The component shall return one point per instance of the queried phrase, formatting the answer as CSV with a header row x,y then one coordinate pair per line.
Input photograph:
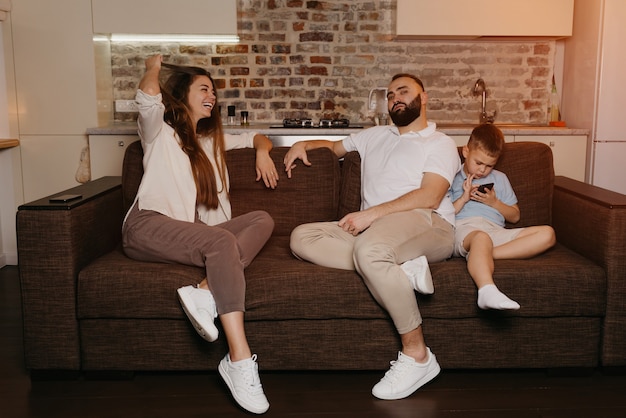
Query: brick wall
x,y
316,59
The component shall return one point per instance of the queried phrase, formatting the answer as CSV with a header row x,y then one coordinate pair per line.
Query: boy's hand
x,y
468,189
488,198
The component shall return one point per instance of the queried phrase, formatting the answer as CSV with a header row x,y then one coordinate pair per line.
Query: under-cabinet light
x,y
122,37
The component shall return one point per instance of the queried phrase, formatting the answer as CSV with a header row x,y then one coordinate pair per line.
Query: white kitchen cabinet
x,y
49,163
55,73
195,17
461,140
55,90
443,19
569,153
106,154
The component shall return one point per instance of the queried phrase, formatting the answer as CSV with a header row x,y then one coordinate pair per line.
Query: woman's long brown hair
x,y
178,115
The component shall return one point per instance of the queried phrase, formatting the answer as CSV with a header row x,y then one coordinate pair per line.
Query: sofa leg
x,y
570,371
109,375
47,375
614,370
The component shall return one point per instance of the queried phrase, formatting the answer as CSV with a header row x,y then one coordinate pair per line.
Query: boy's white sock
x,y
490,297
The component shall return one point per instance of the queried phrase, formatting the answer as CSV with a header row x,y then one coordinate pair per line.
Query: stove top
x,y
323,124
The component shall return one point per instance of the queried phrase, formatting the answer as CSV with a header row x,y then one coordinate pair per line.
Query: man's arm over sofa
x,y
592,222
55,241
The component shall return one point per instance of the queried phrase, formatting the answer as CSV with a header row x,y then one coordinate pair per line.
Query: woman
x,y
182,211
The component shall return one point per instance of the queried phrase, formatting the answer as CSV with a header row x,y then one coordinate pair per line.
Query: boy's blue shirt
x,y
504,193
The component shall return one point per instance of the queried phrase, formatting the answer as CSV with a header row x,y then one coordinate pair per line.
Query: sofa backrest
x,y
528,165
530,169
327,191
311,195
132,172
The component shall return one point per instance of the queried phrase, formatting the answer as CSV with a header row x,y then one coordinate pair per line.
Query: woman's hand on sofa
x,y
266,170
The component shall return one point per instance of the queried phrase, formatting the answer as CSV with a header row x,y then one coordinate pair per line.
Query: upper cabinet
x,y
470,19
53,59
189,17
5,7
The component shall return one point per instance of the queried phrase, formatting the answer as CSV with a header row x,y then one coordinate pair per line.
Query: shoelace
x,y
398,368
251,376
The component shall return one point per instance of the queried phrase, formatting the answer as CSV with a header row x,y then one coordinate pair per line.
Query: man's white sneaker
x,y
242,378
406,376
200,308
418,272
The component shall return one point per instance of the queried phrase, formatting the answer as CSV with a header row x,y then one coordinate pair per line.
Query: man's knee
x,y
367,254
296,239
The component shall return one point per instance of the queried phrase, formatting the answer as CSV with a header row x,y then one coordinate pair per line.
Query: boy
x,y
481,213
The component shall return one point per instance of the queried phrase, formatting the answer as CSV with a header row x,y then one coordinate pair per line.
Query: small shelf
x,y
9,143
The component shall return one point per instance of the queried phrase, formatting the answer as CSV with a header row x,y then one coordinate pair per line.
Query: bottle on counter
x,y
554,112
554,105
244,118
230,120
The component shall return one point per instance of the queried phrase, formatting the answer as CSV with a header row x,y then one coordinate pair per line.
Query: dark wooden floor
x,y
454,393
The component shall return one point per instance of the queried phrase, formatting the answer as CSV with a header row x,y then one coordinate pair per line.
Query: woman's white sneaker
x,y
406,376
242,378
200,308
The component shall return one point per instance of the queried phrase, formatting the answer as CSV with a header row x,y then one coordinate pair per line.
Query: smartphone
x,y
484,187
64,198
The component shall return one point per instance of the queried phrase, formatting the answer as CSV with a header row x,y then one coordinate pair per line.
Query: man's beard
x,y
405,116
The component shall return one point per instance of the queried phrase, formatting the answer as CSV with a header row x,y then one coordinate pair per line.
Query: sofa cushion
x,y
280,287
559,282
309,196
115,286
530,169
527,164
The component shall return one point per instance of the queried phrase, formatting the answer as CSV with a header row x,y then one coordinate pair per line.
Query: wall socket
x,y
126,106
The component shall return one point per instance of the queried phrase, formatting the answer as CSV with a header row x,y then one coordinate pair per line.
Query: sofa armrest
x,y
592,222
54,242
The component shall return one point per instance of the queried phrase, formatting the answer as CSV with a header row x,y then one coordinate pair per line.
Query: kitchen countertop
x,y
130,128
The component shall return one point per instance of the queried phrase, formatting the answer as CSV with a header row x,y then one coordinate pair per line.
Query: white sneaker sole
x,y
206,329
231,386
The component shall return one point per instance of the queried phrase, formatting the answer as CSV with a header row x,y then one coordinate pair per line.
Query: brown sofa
x,y
87,307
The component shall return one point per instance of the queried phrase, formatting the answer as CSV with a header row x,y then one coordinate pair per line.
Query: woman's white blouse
x,y
167,185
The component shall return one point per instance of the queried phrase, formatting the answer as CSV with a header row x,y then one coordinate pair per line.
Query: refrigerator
x,y
594,87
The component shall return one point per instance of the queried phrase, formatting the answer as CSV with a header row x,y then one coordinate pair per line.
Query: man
x,y
406,219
